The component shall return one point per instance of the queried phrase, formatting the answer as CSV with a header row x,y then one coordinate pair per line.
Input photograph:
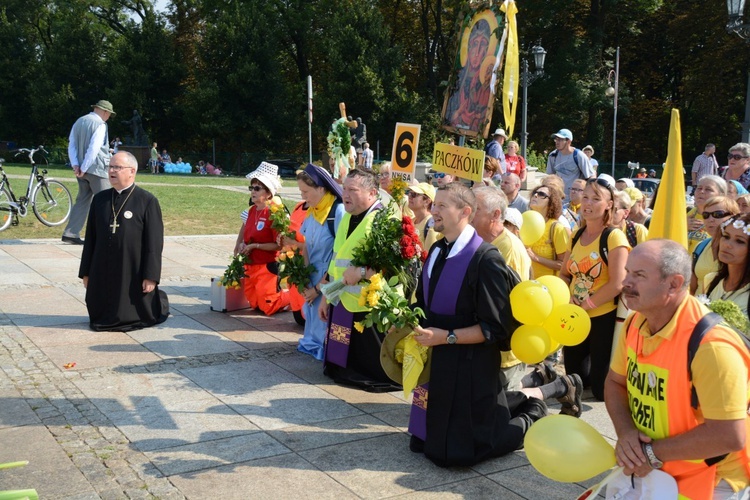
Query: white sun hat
x,y
268,175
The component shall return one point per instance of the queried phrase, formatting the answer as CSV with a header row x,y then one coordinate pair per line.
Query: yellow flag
x,y
413,356
669,219
510,78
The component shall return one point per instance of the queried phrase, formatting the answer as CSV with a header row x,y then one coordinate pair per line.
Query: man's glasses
x,y
255,188
736,157
540,194
438,175
576,190
716,214
118,168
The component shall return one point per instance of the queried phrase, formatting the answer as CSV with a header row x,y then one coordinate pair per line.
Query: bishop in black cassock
x,y
121,260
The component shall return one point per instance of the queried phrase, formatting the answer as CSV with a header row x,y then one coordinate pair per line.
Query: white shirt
x,y
463,239
95,145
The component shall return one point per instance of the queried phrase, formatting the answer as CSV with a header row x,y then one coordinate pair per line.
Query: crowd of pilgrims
x,y
485,414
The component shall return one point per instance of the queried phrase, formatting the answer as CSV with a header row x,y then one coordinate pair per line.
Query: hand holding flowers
x,y
234,273
388,307
294,269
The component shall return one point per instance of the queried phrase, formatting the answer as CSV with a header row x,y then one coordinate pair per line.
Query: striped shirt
x,y
704,165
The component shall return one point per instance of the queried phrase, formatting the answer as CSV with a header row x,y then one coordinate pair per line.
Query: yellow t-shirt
x,y
514,253
590,273
695,237
739,297
431,237
641,233
713,362
554,241
705,265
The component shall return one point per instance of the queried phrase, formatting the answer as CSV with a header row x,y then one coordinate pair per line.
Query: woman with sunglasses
x,y
595,283
717,210
636,233
258,241
739,164
547,252
732,247
708,187
421,197
442,179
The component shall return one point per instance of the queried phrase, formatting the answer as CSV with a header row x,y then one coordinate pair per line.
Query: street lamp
x,y
613,92
527,78
735,24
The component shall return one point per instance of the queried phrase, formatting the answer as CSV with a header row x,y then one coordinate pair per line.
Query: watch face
x,y
451,338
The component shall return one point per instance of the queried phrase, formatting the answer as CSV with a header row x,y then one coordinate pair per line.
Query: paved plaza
x,y
206,405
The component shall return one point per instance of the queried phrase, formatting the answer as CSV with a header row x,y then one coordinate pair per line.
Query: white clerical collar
x,y
463,239
119,191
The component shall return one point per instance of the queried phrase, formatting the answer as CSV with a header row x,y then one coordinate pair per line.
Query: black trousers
x,y
590,359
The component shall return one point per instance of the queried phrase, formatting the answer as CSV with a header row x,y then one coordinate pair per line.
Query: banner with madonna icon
x,y
470,97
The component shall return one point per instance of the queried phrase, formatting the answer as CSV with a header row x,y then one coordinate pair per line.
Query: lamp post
x,y
735,24
613,92
527,78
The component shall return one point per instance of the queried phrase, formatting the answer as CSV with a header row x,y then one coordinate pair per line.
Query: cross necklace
x,y
114,224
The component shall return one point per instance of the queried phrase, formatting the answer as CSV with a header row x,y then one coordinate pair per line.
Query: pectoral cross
x,y
114,226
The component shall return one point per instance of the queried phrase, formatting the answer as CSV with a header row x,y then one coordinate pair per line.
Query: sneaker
x,y
571,402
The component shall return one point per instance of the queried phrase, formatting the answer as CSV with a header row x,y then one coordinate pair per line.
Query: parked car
x,y
647,186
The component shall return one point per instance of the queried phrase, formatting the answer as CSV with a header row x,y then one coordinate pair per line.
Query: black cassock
x,y
117,263
469,416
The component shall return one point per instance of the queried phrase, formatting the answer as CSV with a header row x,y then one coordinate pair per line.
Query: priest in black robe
x,y
462,415
121,260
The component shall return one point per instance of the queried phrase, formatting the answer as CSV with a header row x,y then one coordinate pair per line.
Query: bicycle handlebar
x,y
30,152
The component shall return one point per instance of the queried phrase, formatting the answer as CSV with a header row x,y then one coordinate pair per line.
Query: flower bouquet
x,y
397,189
293,268
339,143
389,308
732,314
234,273
279,219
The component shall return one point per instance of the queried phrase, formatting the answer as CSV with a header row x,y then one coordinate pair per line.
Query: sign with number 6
x,y
405,145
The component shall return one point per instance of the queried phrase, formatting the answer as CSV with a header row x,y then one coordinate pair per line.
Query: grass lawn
x,y
190,204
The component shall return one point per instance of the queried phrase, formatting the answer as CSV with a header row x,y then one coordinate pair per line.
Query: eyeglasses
x,y
117,168
438,175
716,214
540,194
385,175
736,157
412,194
601,182
576,190
255,188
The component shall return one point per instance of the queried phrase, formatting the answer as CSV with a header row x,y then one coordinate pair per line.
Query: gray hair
x,y
674,259
367,179
130,159
717,181
513,177
741,146
491,198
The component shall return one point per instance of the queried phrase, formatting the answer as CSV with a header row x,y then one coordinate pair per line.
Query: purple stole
x,y
447,289
339,335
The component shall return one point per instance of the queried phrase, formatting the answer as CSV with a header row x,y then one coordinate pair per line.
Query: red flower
x,y
408,252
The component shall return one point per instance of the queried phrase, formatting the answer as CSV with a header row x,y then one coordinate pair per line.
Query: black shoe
x,y
73,240
416,445
534,408
571,402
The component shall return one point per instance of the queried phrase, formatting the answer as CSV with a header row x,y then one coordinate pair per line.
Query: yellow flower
x,y
282,256
359,326
376,282
234,283
362,300
220,283
372,299
290,254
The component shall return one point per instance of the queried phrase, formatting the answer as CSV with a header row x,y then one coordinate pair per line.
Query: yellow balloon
x,y
557,288
568,324
554,345
531,302
532,228
567,449
530,344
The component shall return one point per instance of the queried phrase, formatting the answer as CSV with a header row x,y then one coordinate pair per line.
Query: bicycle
x,y
50,199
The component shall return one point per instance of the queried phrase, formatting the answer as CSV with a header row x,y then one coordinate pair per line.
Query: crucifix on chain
x,y
114,226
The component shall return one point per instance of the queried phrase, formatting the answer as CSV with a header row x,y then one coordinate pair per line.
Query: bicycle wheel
x,y
6,214
52,202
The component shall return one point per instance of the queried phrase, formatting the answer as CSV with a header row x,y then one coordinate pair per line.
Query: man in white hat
x,y
568,162
88,152
494,148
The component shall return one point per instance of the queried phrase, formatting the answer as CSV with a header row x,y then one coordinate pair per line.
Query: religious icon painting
x,y
470,97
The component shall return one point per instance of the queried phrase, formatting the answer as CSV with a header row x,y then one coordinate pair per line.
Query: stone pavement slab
x,y
206,405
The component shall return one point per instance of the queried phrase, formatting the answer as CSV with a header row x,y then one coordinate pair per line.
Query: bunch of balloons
x,y
548,319
177,168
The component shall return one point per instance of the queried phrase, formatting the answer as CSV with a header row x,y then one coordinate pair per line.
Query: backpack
x,y
707,322
554,153
699,250
603,248
331,219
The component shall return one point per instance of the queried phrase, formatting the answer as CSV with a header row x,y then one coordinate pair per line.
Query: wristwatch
x,y
362,272
451,338
652,460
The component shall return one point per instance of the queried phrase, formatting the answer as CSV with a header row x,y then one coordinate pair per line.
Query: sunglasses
x,y
412,194
601,182
438,175
255,188
540,194
736,157
716,214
